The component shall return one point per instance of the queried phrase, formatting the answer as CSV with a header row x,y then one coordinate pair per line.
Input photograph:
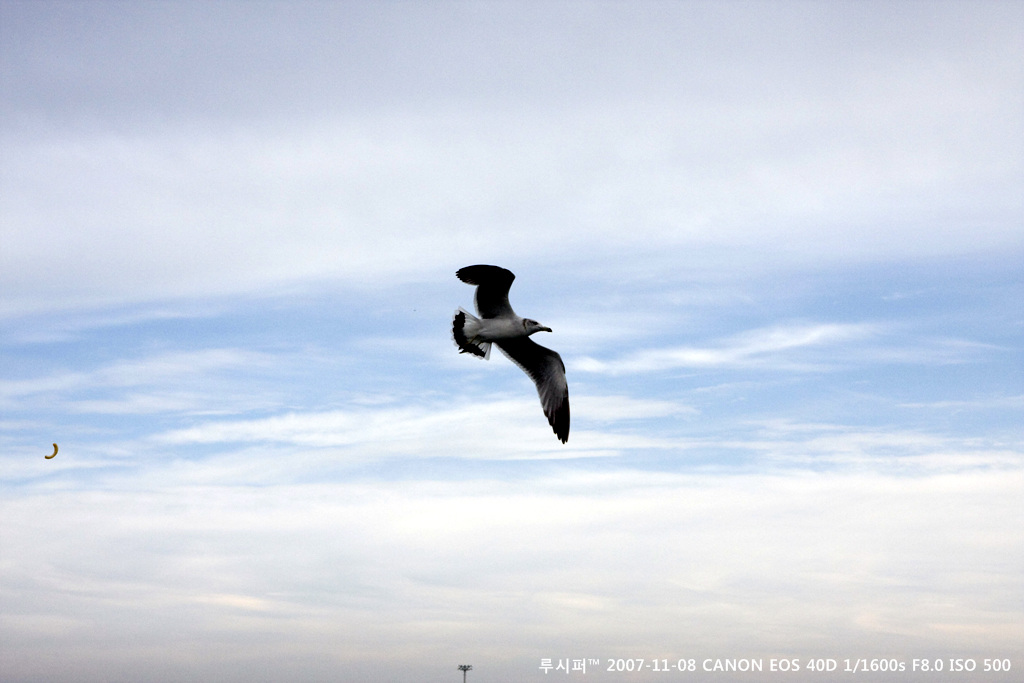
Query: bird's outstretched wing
x,y
547,371
492,285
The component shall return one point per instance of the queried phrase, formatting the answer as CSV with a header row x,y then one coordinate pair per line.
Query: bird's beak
x,y
544,329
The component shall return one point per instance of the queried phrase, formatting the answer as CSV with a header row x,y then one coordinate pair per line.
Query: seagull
x,y
499,324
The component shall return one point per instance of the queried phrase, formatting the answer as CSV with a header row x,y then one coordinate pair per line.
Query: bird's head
x,y
532,326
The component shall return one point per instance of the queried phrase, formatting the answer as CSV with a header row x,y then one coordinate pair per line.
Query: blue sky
x,y
779,245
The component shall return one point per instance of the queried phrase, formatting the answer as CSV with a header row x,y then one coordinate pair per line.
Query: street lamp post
x,y
464,668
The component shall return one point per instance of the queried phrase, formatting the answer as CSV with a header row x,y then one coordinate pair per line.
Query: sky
x,y
779,245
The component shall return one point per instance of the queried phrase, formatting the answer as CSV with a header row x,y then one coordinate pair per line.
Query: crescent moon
x,y
54,452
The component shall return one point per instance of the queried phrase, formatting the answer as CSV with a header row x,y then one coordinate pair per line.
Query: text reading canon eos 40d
x,y
860,665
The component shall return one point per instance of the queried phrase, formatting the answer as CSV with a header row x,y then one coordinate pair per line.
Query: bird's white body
x,y
478,333
494,329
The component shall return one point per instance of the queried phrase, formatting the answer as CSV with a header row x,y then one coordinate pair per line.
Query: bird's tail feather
x,y
465,327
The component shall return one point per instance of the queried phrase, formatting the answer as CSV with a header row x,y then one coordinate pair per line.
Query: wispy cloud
x,y
617,408
144,384
986,403
485,429
765,347
893,450
798,347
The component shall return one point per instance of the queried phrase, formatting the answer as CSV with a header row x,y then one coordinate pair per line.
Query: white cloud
x,y
838,162
764,347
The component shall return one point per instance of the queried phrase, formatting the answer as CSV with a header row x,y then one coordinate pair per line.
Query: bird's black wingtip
x,y
560,424
483,274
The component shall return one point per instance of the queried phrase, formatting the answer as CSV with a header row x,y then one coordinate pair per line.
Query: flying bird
x,y
500,325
